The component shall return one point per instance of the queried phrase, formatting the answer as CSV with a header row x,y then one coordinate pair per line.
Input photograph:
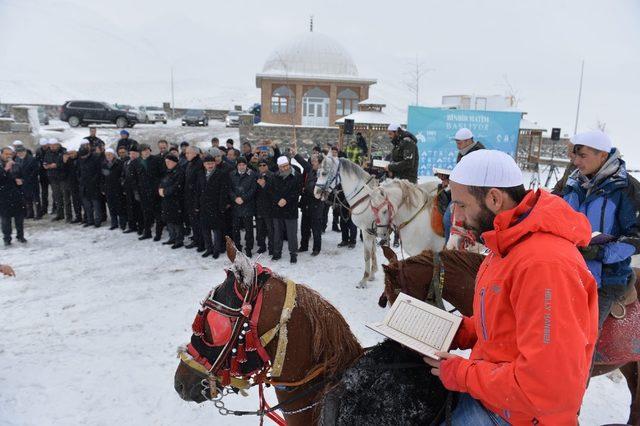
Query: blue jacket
x,y
612,206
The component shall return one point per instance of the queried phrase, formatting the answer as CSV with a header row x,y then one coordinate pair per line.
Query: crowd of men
x,y
255,192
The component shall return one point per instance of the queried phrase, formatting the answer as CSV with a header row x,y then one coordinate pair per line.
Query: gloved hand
x,y
591,252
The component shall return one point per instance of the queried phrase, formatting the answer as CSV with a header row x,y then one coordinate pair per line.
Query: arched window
x,y
283,101
347,102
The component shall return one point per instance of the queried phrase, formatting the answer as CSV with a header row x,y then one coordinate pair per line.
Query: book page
x,y
380,163
419,326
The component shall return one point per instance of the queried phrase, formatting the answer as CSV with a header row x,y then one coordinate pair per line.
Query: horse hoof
x,y
371,278
362,285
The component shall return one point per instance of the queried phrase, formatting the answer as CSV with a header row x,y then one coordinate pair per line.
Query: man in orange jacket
x,y
535,307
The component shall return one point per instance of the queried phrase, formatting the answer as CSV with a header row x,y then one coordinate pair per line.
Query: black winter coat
x,y
40,153
243,186
112,179
405,157
11,201
172,183
310,177
193,183
149,174
50,157
28,169
130,176
215,198
289,189
127,143
264,203
476,147
90,176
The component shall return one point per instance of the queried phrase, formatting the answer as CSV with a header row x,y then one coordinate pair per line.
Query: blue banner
x,y
435,127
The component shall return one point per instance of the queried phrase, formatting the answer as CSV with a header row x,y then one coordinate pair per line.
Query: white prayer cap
x,y
17,143
487,168
110,151
53,141
463,134
282,160
595,139
438,171
44,141
10,148
393,127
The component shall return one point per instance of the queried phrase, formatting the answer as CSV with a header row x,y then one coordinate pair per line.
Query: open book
x,y
380,163
419,326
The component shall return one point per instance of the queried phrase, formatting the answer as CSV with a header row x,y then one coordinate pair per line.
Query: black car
x,y
82,113
195,117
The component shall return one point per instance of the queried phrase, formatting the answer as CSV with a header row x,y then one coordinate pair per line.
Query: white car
x,y
232,119
152,114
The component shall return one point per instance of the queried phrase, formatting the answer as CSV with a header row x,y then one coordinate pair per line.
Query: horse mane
x,y
334,345
352,168
457,263
414,194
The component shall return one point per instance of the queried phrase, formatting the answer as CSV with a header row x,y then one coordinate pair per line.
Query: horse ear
x,y
389,254
231,250
243,269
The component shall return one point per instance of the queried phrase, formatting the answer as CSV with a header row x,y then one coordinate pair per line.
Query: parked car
x,y
232,119
152,114
130,108
43,117
82,113
195,117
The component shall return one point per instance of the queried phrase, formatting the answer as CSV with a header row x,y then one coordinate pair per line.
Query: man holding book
x,y
534,326
602,190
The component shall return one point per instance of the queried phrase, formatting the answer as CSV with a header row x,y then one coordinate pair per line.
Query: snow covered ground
x,y
91,323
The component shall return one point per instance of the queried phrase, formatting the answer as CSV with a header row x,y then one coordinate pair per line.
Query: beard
x,y
483,222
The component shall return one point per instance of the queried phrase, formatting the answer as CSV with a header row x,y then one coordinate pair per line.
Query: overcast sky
x,y
471,45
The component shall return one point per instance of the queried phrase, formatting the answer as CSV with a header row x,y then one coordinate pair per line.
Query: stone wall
x,y
308,137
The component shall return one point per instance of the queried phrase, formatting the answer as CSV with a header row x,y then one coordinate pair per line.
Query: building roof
x,y
312,56
529,125
370,117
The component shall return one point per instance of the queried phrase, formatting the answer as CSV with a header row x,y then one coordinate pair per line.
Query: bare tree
x,y
512,94
600,124
415,71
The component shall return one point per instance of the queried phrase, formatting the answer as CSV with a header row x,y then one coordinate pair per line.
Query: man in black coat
x,y
126,141
285,190
150,173
112,189
29,169
70,161
242,198
94,141
90,179
214,201
465,143
44,181
312,208
11,203
57,177
264,206
170,191
404,155
194,180
132,193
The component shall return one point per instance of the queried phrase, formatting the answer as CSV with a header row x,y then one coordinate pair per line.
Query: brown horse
x,y
414,275
319,339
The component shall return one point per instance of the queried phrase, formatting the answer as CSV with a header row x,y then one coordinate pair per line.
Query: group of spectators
x,y
206,194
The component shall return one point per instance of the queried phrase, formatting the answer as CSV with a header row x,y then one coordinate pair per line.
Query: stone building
x,y
310,81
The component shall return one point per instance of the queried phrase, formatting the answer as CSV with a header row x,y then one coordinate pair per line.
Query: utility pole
x,y
575,128
173,101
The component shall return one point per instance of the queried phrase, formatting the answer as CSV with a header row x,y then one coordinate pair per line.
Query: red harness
x,y
236,329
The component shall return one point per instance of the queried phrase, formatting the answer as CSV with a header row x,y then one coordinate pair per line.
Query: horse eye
x,y
324,173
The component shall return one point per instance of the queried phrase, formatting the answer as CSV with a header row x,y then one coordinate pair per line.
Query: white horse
x,y
357,186
406,208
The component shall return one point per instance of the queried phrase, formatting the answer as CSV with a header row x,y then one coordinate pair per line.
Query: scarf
x,y
609,168
465,151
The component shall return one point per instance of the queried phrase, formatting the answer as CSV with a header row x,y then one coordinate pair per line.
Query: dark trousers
x,y
264,233
245,224
227,229
311,224
213,244
194,221
336,217
32,204
6,226
134,212
76,200
349,230
61,194
92,211
44,195
176,232
290,227
325,216
151,214
117,218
